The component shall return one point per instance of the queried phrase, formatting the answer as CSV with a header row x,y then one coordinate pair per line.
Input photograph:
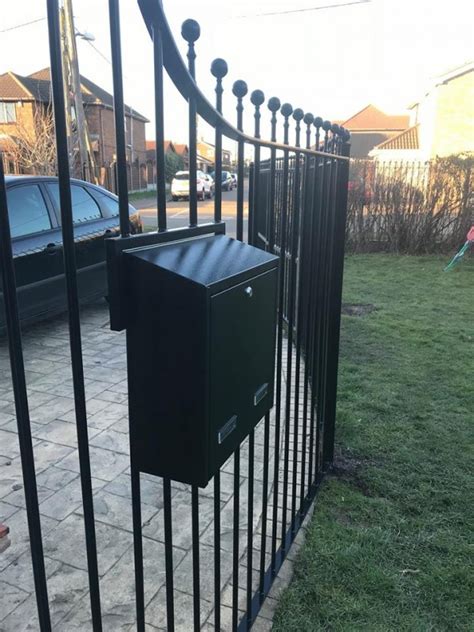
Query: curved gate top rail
x,y
156,22
296,205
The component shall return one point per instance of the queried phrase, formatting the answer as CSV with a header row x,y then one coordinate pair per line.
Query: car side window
x,y
84,207
108,202
27,210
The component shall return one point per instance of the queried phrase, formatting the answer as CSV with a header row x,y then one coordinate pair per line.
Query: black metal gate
x,y
296,209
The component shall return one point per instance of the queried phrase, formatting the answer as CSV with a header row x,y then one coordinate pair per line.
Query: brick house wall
x,y
101,124
24,119
27,92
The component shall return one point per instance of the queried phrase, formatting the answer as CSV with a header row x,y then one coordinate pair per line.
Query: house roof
x,y
443,79
168,145
408,139
37,87
453,73
181,149
371,119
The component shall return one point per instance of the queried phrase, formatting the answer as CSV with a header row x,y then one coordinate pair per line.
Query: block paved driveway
x,y
48,371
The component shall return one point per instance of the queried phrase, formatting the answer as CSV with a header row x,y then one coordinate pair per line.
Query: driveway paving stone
x,y
54,436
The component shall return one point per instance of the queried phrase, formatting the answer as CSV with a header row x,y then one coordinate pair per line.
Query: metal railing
x,y
296,209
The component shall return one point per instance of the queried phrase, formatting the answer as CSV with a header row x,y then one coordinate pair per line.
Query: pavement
x,y
178,212
48,374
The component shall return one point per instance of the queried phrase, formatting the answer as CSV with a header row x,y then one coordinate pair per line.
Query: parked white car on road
x,y
180,185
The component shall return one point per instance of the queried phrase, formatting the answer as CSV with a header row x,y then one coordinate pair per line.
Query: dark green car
x,y
35,224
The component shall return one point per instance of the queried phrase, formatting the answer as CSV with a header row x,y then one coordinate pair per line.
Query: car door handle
x,y
52,249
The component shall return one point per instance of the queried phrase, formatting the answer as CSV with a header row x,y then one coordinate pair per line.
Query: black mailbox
x,y
201,348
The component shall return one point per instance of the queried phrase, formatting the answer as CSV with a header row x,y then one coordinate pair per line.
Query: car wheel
x,y
174,198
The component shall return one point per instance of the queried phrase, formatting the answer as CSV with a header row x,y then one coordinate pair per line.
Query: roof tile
x,y
408,139
38,86
371,119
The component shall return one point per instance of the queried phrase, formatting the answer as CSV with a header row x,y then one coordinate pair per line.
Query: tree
x,y
173,163
33,148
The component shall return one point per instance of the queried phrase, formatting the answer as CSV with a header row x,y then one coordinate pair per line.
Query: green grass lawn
x,y
388,547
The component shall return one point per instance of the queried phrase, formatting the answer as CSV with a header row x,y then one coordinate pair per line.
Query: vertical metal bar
x,y
274,106
160,128
217,551
250,527
195,537
338,271
219,70
119,117
263,543
137,544
304,291
22,410
239,89
298,116
73,308
257,98
321,265
312,306
190,31
318,266
167,511
235,544
326,309
250,215
286,110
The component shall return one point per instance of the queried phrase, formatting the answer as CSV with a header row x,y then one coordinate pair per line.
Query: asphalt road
x,y
178,212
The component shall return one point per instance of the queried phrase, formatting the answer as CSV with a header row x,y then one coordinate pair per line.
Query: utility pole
x,y
82,159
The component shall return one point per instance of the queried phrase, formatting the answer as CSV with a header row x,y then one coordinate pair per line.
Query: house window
x,y
7,113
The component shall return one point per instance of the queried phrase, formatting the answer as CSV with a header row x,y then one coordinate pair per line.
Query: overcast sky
x,y
331,62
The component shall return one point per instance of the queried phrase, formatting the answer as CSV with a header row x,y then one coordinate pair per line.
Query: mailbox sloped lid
x,y
209,261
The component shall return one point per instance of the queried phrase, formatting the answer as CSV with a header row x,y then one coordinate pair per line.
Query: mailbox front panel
x,y
201,349
242,362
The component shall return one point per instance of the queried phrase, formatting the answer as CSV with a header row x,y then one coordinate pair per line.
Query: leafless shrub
x,y
409,207
33,148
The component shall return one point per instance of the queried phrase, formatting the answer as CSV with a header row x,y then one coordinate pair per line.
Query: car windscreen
x,y
84,207
27,210
182,176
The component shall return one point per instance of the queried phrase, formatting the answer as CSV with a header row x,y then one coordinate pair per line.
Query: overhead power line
x,y
19,26
100,53
306,9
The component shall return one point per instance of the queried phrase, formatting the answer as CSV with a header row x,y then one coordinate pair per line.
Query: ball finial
x,y
239,89
190,30
318,121
257,98
335,128
286,109
273,104
298,114
219,68
308,118
326,126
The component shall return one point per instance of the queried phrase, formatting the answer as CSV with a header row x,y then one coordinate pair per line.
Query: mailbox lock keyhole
x,y
249,291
